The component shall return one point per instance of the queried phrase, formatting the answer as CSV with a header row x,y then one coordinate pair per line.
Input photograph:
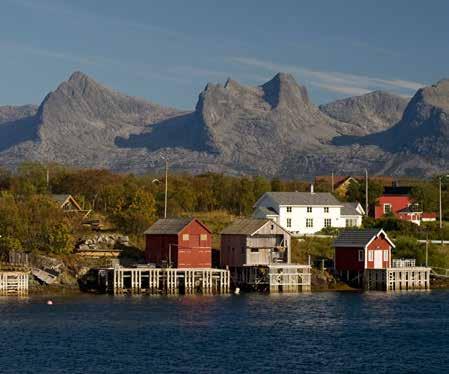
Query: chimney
x,y
311,189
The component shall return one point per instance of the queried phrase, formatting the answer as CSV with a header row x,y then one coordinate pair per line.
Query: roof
x,y
358,238
414,208
245,226
397,190
269,211
339,179
171,226
304,198
350,209
60,198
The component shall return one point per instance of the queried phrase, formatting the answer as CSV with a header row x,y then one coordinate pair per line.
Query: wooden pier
x,y
403,275
273,278
163,280
13,283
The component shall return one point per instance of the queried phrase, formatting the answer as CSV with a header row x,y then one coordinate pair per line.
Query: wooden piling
x,y
169,280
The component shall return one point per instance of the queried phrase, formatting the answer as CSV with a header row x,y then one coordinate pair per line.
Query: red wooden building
x,y
357,250
179,243
393,200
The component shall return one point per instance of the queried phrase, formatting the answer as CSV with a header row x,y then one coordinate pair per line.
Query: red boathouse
x,y
357,250
179,243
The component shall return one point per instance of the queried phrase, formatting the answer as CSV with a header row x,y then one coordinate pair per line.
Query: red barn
x,y
393,200
357,250
179,243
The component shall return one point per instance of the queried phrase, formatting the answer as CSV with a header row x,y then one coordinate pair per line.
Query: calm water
x,y
319,332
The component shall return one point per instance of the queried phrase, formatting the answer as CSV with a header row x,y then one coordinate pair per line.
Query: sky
x,y
167,51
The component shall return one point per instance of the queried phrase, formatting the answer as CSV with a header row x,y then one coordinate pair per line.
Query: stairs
x,y
43,275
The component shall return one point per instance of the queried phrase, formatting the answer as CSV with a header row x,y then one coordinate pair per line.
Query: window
x,y
289,222
326,209
387,208
327,222
272,227
350,222
203,237
289,209
309,222
361,259
309,209
370,255
254,250
385,255
185,237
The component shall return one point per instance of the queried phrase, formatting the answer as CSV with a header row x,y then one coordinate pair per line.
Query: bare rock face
x,y
370,113
259,126
11,113
81,119
271,130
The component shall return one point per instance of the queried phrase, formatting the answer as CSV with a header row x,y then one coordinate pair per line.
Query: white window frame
x,y
361,255
389,207
326,209
328,222
386,255
289,209
309,223
370,255
309,209
289,222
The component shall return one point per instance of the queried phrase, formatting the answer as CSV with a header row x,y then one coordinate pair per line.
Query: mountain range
x,y
272,130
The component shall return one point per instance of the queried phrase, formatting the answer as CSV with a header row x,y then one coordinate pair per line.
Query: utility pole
x,y
332,181
427,251
48,178
441,205
366,193
166,187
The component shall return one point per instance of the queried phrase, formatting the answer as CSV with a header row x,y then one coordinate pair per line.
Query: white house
x,y
352,214
304,213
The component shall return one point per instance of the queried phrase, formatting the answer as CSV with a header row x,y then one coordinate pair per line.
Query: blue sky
x,y
166,51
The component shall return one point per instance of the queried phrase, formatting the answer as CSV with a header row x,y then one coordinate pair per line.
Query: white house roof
x,y
268,211
350,209
304,198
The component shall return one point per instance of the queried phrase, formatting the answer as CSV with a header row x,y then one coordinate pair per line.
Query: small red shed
x,y
179,243
357,250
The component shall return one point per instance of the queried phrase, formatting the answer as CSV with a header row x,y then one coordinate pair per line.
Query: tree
x,y
354,192
427,195
276,185
30,179
261,185
7,244
137,214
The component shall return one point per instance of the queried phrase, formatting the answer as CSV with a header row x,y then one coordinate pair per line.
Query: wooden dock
x,y
13,283
403,275
273,278
163,280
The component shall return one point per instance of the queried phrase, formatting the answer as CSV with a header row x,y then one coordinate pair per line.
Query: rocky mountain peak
x,y
283,89
373,112
436,95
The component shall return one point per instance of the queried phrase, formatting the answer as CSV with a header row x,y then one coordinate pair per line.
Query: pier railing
x,y
403,263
